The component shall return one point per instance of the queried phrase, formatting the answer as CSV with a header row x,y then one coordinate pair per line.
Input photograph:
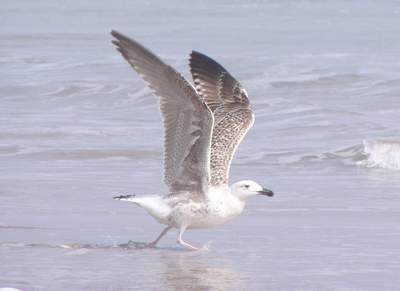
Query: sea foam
x,y
381,154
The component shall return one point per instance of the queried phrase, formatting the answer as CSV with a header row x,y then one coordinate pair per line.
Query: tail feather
x,y
130,198
154,205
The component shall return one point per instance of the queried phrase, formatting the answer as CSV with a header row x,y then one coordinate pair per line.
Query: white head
x,y
245,189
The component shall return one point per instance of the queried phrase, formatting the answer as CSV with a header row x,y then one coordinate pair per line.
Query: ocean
x,y
78,126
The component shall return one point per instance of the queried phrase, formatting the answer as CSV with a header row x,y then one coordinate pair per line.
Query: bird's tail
x,y
155,205
130,198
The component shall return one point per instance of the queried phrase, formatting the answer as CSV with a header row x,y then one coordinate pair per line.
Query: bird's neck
x,y
223,194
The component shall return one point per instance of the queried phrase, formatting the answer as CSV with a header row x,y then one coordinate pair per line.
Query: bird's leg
x,y
164,232
183,243
142,245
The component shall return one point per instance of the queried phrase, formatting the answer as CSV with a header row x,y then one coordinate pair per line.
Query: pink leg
x,y
183,243
164,232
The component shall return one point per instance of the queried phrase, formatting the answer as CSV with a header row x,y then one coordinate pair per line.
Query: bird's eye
x,y
246,186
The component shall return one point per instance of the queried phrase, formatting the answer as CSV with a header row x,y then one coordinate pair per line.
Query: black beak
x,y
266,192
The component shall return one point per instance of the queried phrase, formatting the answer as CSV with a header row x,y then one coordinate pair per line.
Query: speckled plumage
x,y
229,103
203,127
227,134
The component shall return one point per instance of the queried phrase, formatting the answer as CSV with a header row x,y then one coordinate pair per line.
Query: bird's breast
x,y
210,213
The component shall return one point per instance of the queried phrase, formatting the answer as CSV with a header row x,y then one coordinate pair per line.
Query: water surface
x,y
77,126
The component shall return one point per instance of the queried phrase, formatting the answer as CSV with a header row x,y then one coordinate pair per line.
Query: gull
x,y
203,126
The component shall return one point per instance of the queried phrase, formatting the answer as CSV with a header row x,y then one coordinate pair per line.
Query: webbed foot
x,y
137,245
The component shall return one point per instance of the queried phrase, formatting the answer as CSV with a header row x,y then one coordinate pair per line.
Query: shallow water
x,y
78,127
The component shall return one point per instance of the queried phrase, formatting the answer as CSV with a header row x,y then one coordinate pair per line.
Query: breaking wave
x,y
372,154
381,154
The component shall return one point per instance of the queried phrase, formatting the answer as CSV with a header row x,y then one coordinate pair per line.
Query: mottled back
x,y
229,103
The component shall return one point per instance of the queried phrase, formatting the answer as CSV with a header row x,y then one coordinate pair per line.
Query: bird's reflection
x,y
171,268
196,271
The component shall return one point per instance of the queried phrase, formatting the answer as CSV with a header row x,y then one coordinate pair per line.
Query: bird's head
x,y
245,189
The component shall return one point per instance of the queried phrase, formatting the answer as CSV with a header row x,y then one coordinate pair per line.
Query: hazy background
x,y
78,126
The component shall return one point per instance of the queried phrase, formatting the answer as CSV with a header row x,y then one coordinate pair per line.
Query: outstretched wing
x,y
187,119
229,103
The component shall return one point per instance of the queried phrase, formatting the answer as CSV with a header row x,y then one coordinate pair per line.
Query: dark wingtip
x,y
191,56
116,41
193,53
115,33
119,36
